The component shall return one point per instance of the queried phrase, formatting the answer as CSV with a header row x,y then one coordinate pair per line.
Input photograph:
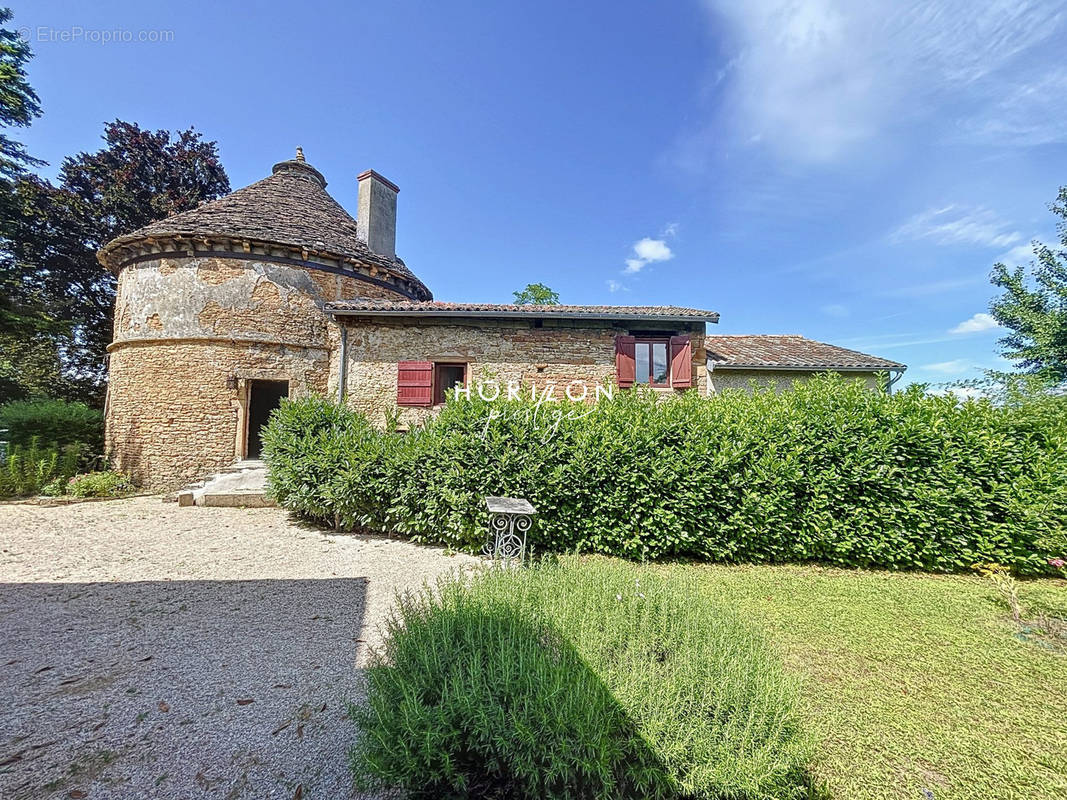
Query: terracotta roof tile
x,y
437,308
291,207
788,352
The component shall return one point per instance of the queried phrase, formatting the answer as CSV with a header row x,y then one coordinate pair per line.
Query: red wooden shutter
x,y
414,383
681,362
625,367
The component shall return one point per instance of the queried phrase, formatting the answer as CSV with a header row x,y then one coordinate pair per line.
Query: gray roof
x,y
403,308
290,208
788,352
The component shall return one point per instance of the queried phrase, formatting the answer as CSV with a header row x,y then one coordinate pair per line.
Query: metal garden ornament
x,y
510,520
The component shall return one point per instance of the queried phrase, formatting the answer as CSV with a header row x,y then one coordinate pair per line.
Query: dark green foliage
x,y
53,423
19,104
54,295
99,484
339,484
577,680
29,468
829,472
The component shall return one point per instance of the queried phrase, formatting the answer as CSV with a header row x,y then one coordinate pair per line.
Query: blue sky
x,y
847,171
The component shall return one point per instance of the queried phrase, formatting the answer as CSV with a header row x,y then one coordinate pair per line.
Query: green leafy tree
x,y
536,294
49,246
1033,306
24,366
19,104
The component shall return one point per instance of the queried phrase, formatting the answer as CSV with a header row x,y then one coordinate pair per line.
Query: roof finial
x,y
300,154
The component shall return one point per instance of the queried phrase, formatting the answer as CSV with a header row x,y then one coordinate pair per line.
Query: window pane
x,y
451,376
447,377
659,362
641,357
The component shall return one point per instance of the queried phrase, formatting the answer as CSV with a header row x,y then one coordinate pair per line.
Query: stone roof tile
x,y
290,208
788,352
438,308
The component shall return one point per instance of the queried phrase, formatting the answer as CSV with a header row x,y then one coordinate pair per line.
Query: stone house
x,y
275,291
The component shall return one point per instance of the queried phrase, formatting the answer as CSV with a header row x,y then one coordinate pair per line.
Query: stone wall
x,y
556,354
779,380
174,412
189,334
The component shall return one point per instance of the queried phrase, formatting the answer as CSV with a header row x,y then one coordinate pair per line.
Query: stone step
x,y
237,499
241,485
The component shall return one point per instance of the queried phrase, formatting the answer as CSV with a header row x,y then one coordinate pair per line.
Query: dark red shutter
x,y
681,362
625,367
414,383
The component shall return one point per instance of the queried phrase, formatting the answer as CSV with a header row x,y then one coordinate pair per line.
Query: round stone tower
x,y
219,314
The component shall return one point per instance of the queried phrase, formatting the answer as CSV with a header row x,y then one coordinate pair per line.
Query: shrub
x,y
338,484
30,468
829,471
53,423
54,488
577,680
99,484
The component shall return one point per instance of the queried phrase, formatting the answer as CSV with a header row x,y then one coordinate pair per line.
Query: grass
x,y
579,679
911,681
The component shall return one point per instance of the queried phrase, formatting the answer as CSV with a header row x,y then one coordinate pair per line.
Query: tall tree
x,y
19,104
1033,306
139,176
24,366
536,294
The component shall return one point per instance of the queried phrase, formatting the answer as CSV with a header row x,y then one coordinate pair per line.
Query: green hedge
x,y
829,471
578,679
55,423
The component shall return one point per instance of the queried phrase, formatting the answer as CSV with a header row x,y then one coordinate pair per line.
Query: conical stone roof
x,y
291,208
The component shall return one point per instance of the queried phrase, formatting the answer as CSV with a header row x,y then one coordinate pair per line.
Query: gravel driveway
x,y
148,650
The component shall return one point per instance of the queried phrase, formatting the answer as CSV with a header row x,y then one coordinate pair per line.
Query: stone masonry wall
x,y
172,417
779,380
189,334
556,354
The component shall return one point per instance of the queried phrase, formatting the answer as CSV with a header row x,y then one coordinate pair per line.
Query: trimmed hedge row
x,y
53,423
828,472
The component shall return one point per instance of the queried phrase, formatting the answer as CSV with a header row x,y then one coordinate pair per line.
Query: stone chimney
x,y
376,215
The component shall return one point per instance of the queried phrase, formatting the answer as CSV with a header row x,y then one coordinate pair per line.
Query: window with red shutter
x,y
414,383
624,361
681,362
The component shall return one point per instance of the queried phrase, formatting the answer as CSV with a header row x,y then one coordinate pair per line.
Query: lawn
x,y
913,681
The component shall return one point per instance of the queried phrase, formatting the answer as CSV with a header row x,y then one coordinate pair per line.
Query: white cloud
x,y
1021,253
647,251
976,324
652,250
1029,112
956,225
953,367
835,310
816,78
670,230
615,286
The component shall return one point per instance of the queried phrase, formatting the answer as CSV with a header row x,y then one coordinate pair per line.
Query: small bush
x,y
55,423
829,472
577,680
54,488
28,469
99,484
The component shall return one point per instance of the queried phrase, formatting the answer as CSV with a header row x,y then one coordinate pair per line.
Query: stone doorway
x,y
263,398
